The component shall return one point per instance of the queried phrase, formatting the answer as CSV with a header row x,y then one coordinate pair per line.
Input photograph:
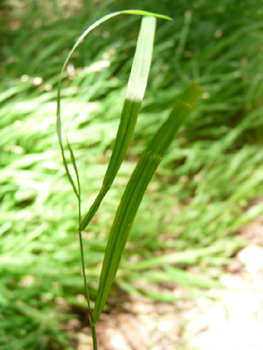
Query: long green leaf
x,y
188,257
135,189
134,96
58,114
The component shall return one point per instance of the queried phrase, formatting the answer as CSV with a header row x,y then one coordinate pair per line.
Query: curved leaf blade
x,y
58,112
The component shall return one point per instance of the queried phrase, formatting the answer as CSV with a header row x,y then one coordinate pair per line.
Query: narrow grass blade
x,y
135,189
191,256
162,297
84,34
132,104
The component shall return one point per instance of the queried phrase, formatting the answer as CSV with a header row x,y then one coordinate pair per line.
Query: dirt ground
x,y
231,320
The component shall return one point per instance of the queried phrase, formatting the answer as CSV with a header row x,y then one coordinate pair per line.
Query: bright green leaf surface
x,y
59,123
135,189
134,96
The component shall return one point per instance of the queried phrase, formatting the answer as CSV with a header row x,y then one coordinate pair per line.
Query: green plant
x,y
145,168
200,195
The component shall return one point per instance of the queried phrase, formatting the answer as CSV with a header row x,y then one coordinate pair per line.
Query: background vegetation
x,y
204,190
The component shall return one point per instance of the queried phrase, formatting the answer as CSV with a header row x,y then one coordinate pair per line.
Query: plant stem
x,y
92,324
94,336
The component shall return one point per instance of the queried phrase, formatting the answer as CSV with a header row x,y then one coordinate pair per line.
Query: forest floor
x,y
232,319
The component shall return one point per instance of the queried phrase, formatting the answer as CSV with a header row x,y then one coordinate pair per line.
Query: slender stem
x,y
94,336
92,324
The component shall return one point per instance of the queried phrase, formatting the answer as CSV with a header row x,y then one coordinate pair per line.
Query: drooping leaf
x,y
58,114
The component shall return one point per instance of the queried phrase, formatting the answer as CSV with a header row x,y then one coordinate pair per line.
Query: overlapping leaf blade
x,y
135,190
132,104
59,122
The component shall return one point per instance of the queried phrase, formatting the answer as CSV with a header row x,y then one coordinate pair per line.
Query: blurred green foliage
x,y
203,188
